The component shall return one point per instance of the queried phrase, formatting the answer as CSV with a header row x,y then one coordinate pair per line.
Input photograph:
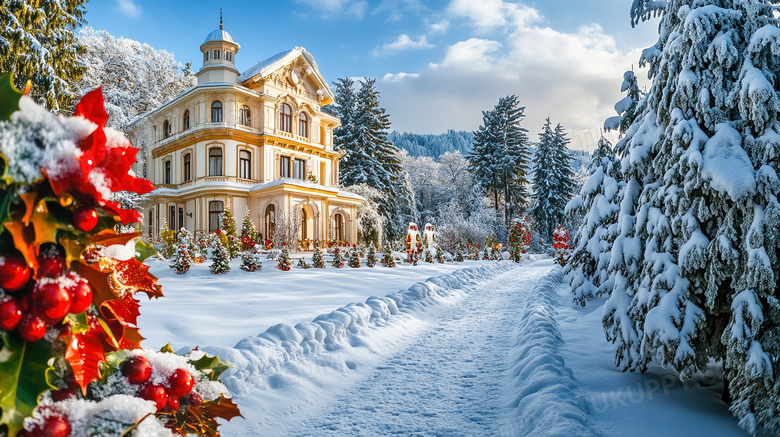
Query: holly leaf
x,y
212,365
23,366
121,319
131,275
9,96
144,250
224,408
84,352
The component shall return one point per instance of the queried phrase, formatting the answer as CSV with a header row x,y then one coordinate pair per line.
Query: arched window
x,y
303,125
186,121
244,164
166,129
187,167
215,214
338,226
270,218
244,117
216,112
215,161
285,118
304,222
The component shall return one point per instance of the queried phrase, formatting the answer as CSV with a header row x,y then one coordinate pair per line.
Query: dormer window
x,y
216,54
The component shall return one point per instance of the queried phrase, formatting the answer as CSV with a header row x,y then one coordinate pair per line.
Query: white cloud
x,y
397,77
128,8
403,42
438,27
572,77
487,15
330,8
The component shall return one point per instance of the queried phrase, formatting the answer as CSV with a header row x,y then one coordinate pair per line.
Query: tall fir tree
x,y
38,43
248,231
696,244
553,182
370,158
500,156
586,270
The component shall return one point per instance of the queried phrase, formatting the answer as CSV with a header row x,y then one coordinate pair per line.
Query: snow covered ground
x,y
477,348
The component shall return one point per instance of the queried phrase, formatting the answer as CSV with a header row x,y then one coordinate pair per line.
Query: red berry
x,y
194,398
173,403
14,272
85,218
80,296
64,393
25,433
180,382
50,301
155,393
51,262
56,426
10,314
137,370
31,328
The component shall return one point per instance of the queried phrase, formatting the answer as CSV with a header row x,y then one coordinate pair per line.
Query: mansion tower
x,y
258,139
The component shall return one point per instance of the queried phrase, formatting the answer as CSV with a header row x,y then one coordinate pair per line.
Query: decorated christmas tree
x,y
248,232
561,246
371,256
387,258
167,241
316,257
228,227
354,257
68,310
303,264
440,255
338,259
284,262
518,240
250,260
428,255
180,262
220,258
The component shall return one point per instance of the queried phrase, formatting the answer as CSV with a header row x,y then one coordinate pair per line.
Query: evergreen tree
x,y
370,158
248,231
251,260
180,262
227,225
387,258
629,107
316,257
338,259
695,246
38,43
517,242
371,256
592,243
220,258
284,263
500,156
553,182
303,264
354,257
440,255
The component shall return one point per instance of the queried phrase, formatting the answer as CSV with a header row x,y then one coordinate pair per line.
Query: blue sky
x,y
439,63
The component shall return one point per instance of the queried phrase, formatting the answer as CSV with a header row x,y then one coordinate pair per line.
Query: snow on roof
x,y
219,35
276,61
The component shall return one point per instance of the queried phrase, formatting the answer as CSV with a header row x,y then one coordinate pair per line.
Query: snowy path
x,y
452,379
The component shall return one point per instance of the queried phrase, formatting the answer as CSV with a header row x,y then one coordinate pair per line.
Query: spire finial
x,y
220,19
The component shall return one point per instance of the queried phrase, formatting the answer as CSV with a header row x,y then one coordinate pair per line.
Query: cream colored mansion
x,y
258,139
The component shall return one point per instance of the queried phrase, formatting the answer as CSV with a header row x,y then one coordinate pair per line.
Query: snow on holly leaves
x,y
68,315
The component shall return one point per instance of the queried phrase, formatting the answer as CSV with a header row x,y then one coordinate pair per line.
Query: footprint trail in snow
x,y
451,380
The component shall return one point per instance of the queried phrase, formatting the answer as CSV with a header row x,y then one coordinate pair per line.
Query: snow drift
x,y
546,403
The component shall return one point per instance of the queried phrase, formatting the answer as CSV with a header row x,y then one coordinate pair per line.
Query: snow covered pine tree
x,y
697,250
553,182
